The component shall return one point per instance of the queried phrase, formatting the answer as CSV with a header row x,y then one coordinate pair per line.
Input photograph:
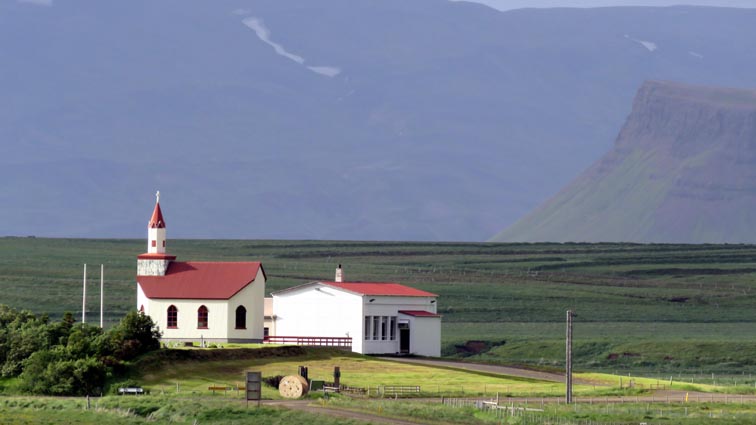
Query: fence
x,y
318,341
662,408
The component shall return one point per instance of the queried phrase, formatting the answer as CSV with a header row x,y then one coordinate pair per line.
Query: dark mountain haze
x,y
336,119
683,169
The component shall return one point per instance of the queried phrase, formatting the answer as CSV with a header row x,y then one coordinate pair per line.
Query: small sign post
x,y
254,387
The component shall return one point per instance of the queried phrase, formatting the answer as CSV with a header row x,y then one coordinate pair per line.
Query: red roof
x,y
419,313
154,256
380,288
200,280
156,221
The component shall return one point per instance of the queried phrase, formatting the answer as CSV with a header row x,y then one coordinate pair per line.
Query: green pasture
x,y
196,376
114,410
559,414
646,300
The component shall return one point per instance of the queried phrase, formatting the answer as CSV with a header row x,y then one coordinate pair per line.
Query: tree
x,y
136,334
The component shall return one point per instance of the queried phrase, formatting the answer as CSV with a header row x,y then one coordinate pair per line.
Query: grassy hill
x,y
652,308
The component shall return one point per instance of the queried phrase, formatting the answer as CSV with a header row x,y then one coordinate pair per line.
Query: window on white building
x,y
241,317
202,317
384,331
392,328
376,327
367,327
172,317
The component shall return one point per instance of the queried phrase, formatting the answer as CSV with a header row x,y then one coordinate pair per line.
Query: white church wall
x,y
187,319
252,297
319,310
142,301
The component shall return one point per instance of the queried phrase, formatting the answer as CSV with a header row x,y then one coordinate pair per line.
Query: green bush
x,y
65,358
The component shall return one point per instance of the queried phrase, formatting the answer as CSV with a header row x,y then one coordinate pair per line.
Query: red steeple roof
x,y
157,221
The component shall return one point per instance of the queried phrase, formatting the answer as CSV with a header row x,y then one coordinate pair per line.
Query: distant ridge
x,y
683,169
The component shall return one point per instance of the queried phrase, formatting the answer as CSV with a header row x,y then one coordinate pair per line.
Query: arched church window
x,y
141,309
241,317
202,317
172,317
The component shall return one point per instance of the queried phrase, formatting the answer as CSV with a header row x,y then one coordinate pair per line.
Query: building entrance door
x,y
404,338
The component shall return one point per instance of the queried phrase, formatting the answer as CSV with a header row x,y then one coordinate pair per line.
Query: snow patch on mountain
x,y
263,33
649,45
37,2
328,71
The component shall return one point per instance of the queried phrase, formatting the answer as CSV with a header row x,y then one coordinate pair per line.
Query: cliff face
x,y
683,169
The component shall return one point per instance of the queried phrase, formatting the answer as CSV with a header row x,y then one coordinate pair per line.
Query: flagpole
x,y
102,287
84,298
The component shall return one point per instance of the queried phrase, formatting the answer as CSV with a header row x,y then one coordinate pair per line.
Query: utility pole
x,y
568,363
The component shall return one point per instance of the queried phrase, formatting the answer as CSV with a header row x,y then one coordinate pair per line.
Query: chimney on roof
x,y
339,274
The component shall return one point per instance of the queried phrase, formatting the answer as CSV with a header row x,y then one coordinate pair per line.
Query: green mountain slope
x,y
683,169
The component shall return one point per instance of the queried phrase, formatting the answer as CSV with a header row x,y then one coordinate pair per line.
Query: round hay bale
x,y
293,386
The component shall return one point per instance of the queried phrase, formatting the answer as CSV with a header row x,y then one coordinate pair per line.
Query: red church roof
x,y
157,221
380,288
200,280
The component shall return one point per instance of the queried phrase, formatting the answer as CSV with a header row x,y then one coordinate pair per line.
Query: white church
x,y
197,300
225,302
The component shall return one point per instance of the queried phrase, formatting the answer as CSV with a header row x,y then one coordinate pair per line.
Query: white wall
x,y
142,300
252,297
425,335
187,319
390,306
319,310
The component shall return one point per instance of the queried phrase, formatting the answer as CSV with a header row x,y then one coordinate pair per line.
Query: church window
x,y
172,317
141,309
202,318
241,317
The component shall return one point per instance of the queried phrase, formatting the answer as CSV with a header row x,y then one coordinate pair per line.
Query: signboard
x,y
254,386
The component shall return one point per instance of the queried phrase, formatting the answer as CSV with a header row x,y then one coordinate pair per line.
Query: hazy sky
x,y
517,4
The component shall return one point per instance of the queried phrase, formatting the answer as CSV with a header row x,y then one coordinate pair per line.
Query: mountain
x,y
683,169
336,119
520,4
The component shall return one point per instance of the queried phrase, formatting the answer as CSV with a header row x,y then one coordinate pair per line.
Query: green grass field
x,y
115,410
194,371
654,309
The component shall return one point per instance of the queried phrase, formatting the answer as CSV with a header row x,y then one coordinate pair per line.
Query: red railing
x,y
318,341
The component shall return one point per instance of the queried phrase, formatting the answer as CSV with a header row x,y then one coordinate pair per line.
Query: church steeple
x,y
157,220
156,230
155,261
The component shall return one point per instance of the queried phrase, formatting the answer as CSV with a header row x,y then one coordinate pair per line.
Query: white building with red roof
x,y
380,317
196,300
